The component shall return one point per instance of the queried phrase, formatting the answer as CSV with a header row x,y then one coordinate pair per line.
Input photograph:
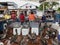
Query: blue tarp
x,y
1,24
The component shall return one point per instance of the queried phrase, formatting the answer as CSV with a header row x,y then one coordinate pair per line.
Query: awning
x,y
3,3
31,2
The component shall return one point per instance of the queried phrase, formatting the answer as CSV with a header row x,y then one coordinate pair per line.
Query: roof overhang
x,y
31,2
20,3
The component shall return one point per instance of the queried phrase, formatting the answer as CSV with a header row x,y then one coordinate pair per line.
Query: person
x,y
43,18
22,18
31,17
8,41
13,15
7,16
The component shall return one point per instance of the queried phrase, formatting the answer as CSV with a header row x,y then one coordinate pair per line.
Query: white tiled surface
x,y
18,31
25,31
34,27
35,30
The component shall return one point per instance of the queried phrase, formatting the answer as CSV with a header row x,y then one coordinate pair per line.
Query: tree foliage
x,y
47,4
41,6
58,9
54,3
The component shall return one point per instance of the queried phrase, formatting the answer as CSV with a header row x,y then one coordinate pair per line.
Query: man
x,y
13,15
43,18
22,18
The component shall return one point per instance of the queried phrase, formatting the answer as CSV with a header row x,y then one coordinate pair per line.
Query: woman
x,y
31,17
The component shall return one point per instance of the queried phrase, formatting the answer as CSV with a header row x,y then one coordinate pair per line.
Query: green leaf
x,y
58,9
